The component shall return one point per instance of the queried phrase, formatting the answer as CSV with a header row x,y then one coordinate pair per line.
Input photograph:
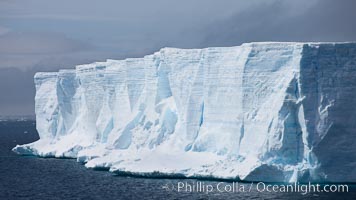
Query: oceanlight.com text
x,y
236,187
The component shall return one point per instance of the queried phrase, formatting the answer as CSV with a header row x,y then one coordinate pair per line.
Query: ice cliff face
x,y
259,111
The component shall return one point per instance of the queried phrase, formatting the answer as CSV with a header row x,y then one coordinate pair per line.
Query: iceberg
x,y
267,111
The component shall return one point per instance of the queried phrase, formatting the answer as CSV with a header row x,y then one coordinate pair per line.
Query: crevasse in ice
x,y
257,112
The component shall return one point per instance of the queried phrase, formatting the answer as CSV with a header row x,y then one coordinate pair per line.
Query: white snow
x,y
258,112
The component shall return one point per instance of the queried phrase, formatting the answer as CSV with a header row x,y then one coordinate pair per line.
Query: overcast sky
x,y
46,35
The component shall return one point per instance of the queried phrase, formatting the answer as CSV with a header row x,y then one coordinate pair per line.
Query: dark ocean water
x,y
24,177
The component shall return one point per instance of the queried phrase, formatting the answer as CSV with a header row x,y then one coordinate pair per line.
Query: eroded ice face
x,y
259,111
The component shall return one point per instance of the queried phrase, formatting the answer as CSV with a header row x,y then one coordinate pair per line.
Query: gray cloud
x,y
38,43
29,49
17,91
323,20
4,30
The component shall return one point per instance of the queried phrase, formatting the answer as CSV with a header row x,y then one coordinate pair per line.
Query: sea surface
x,y
28,177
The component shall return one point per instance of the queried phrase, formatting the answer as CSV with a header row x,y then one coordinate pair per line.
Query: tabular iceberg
x,y
265,111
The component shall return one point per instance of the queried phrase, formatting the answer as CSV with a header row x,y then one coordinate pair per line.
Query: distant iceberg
x,y
257,112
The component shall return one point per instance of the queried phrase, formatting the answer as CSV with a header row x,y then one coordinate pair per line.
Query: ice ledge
x,y
265,111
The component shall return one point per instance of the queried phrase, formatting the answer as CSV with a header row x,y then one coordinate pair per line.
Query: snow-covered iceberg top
x,y
259,111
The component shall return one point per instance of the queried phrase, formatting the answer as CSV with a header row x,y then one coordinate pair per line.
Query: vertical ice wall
x,y
259,111
46,104
328,77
